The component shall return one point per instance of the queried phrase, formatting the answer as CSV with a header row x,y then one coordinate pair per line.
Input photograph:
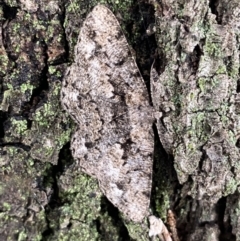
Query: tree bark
x,y
194,86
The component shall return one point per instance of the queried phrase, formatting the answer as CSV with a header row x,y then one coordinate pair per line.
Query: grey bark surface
x,y
196,87
194,84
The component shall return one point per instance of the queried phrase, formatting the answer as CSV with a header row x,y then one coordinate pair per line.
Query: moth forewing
x,y
106,96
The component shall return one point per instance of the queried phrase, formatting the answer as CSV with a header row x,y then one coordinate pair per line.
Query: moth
x,y
105,94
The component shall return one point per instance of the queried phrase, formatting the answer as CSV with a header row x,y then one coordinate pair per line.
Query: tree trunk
x,y
194,87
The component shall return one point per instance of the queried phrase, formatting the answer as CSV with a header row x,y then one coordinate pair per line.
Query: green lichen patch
x,y
51,126
14,97
15,129
11,3
4,61
26,87
138,231
55,39
108,229
83,191
230,185
21,202
81,205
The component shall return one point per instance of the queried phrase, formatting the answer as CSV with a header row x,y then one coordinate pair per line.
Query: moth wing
x,y
106,96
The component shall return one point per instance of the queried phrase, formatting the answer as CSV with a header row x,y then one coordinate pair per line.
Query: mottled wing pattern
x,y
105,94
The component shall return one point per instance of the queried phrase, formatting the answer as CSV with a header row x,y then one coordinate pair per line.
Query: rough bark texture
x,y
196,87
43,196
